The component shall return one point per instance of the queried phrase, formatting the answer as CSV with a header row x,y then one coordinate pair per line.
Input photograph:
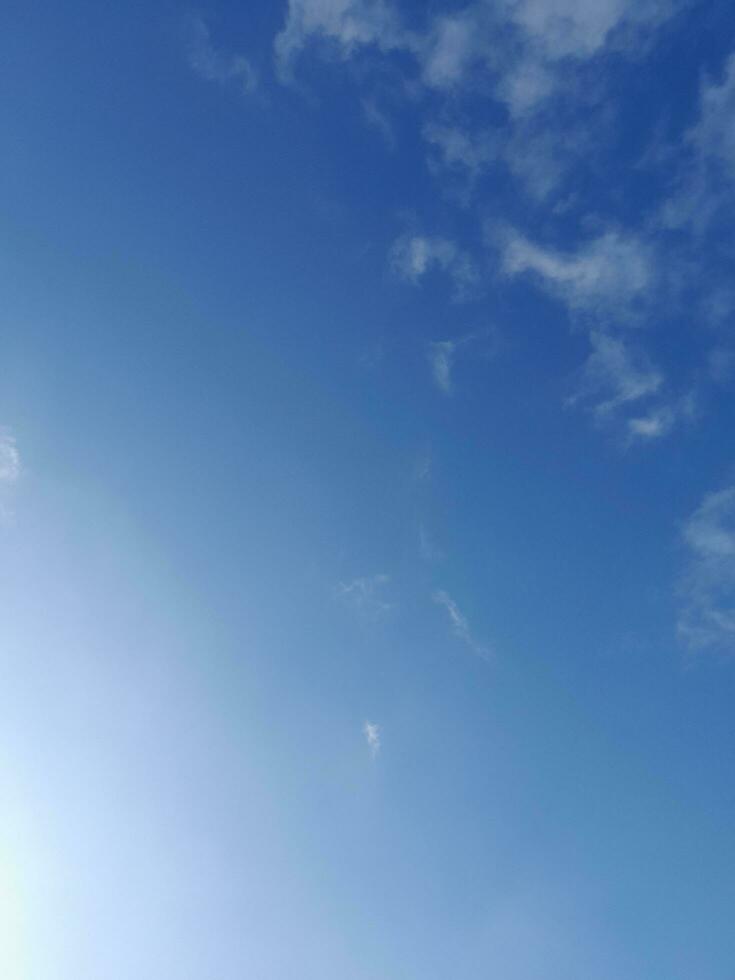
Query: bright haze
x,y
367,490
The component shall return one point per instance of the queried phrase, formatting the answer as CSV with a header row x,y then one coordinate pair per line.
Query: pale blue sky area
x,y
367,490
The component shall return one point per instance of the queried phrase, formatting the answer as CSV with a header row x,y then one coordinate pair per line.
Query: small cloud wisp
x,y
460,625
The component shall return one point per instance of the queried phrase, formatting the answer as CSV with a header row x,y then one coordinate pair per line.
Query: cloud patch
x,y
441,355
605,275
10,471
615,376
346,24
707,180
365,594
412,257
371,731
460,625
9,458
214,65
707,587
441,359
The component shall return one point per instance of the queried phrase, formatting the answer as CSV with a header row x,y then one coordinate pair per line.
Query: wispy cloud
x,y
346,24
605,275
365,594
9,458
379,120
461,149
522,49
707,176
616,375
529,55
552,67
534,152
623,386
607,282
707,587
413,256
655,424
441,355
10,470
371,731
460,625
215,66
441,358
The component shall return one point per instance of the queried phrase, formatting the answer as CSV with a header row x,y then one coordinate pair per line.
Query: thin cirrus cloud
x,y
441,358
539,60
607,284
372,734
655,424
348,24
534,154
706,181
10,469
618,373
520,47
552,68
605,275
460,625
9,458
621,384
442,355
214,65
412,257
707,585
619,380
365,594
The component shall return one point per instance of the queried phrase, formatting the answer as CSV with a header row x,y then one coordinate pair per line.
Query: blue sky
x,y
367,490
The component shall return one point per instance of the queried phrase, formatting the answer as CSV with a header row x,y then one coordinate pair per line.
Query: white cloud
x,y
608,274
654,425
536,153
365,594
379,120
605,282
707,619
10,470
371,731
713,133
413,256
451,45
709,177
523,47
525,86
527,47
616,376
442,353
441,358
215,66
579,28
460,148
620,382
348,24
460,625
522,53
540,59
9,458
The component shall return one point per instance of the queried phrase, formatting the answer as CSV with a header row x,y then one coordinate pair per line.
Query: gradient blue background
x,y
224,408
